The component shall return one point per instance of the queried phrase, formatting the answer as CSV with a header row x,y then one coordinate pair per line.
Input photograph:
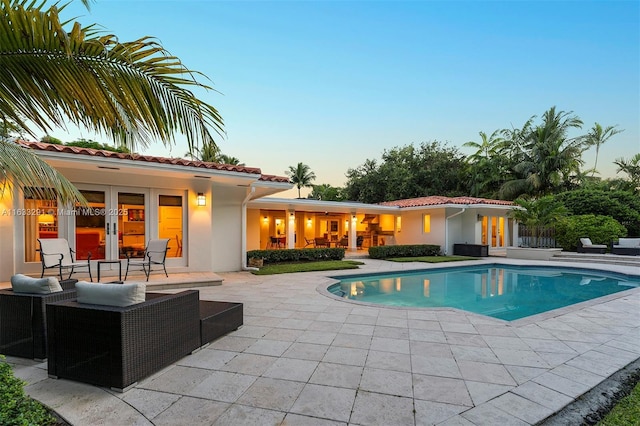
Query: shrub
x,y
297,255
601,230
16,408
620,205
383,252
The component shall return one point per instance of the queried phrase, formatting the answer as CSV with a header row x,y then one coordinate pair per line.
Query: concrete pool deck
x,y
303,358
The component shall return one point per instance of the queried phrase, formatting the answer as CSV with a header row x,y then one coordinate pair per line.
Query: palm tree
x,y
229,159
484,164
135,92
598,136
632,169
301,175
549,157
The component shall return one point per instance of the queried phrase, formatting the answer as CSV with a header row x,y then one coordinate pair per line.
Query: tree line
x,y
534,160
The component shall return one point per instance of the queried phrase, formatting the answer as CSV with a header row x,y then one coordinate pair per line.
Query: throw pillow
x,y
110,294
24,284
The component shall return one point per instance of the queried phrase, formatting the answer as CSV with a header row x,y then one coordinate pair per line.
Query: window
x,y
426,223
170,222
40,221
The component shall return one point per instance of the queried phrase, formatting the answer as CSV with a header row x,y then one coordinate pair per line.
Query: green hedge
x,y
296,255
16,408
600,229
384,252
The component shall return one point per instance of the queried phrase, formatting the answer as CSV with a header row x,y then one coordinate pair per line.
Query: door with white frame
x,y
113,226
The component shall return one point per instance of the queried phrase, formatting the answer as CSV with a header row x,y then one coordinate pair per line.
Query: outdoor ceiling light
x,y
201,200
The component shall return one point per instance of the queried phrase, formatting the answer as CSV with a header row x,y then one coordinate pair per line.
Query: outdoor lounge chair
x,y
154,254
585,246
23,321
56,253
115,346
626,246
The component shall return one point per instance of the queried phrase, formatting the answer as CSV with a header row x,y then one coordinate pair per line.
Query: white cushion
x,y
629,242
110,294
24,284
586,241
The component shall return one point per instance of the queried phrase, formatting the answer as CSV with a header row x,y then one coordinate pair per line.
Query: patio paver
x,y
303,358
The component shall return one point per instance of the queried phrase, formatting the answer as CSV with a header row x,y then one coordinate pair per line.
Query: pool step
x,y
609,259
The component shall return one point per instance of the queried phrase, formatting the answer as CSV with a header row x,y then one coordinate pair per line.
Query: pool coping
x,y
323,289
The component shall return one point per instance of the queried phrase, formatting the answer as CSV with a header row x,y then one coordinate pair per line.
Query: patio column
x,y
352,234
291,229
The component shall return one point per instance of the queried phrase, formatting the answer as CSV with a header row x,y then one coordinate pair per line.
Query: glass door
x,y
129,226
90,226
113,226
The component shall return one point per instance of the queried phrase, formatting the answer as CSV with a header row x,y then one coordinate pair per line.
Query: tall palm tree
x,y
598,136
301,175
549,156
53,72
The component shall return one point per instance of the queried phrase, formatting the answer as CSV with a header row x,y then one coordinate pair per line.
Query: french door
x,y
114,225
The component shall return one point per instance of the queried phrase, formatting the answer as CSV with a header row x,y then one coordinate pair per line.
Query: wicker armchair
x,y
117,346
23,321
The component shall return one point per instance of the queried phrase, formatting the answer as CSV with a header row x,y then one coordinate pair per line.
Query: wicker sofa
x,y
114,346
23,324
626,246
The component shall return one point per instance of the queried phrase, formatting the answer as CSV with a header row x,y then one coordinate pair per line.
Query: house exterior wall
x,y
226,225
412,231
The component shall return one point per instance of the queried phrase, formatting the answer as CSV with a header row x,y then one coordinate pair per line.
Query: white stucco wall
x,y
226,221
412,228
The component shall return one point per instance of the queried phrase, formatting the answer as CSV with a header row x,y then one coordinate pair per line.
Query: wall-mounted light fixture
x,y
201,200
309,222
353,217
265,219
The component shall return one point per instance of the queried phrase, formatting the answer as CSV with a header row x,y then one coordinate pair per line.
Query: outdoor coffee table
x,y
218,319
104,262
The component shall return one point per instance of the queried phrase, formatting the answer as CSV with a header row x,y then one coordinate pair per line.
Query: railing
x,y
536,236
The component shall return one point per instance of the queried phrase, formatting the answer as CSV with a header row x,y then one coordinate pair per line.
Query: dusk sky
x,y
333,83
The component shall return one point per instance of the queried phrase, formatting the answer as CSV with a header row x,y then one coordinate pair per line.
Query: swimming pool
x,y
501,291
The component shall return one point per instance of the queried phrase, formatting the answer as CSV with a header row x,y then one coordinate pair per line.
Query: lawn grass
x,y
626,412
286,268
431,259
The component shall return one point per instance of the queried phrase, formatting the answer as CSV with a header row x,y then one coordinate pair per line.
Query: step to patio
x,y
608,259
178,281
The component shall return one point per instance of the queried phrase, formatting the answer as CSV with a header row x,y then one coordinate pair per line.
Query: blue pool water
x,y
500,291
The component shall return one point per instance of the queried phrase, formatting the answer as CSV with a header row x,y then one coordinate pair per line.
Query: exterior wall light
x,y
201,199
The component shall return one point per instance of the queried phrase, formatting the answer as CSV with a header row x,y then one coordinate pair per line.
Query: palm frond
x,y
135,92
21,168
